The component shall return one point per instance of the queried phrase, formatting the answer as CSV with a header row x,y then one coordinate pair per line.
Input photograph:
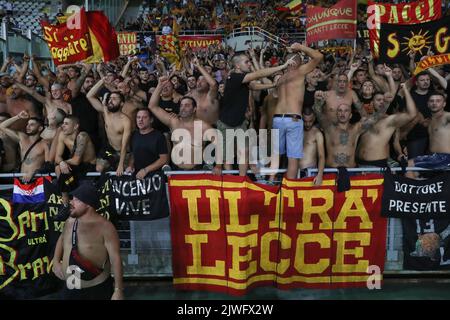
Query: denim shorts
x,y
438,161
290,136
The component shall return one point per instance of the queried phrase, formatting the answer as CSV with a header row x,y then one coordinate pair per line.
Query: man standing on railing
x,y
33,150
206,96
235,105
288,111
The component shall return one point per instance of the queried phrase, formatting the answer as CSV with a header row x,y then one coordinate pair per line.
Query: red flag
x,y
337,22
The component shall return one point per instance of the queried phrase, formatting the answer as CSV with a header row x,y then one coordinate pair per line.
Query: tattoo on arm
x,y
341,158
81,144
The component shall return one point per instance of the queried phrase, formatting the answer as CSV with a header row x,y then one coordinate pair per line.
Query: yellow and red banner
x,y
404,13
336,22
196,43
432,61
127,43
91,40
230,234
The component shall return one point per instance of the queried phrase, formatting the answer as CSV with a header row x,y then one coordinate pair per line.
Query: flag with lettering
x,y
336,22
398,14
230,234
130,198
27,241
82,36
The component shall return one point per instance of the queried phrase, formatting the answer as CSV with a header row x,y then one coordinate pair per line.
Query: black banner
x,y
418,199
426,244
396,41
133,199
27,240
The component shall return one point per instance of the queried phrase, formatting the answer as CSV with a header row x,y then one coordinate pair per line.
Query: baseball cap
x,y
87,193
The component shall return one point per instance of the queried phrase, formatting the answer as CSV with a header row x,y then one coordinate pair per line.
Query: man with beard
x,y
191,83
439,133
148,147
33,150
90,243
373,146
117,126
314,148
81,155
185,139
205,95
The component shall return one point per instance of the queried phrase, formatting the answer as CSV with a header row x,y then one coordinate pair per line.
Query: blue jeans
x,y
437,161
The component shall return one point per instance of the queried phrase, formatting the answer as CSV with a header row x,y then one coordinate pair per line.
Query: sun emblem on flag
x,y
417,42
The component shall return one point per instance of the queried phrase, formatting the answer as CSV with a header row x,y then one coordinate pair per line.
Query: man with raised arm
x,y
288,111
205,94
118,129
373,147
33,150
185,139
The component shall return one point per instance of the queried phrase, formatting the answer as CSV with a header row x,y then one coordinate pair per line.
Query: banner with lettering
x,y
27,239
230,234
82,36
336,22
396,41
67,43
133,199
196,43
128,43
417,199
403,13
432,61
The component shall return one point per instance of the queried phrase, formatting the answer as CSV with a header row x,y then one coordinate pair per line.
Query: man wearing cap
x,y
87,251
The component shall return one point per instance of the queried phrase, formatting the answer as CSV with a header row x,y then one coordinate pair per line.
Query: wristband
x,y
117,289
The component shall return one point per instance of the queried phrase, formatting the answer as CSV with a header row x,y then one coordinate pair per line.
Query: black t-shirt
x,y
419,131
88,116
169,106
234,103
146,148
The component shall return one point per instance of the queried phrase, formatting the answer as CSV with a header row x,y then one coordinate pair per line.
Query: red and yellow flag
x,y
87,37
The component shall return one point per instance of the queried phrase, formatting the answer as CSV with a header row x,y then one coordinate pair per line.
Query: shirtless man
x,y
52,100
88,242
373,147
131,104
205,94
313,144
17,101
340,95
117,126
288,111
439,133
9,163
186,119
82,152
33,150
340,136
